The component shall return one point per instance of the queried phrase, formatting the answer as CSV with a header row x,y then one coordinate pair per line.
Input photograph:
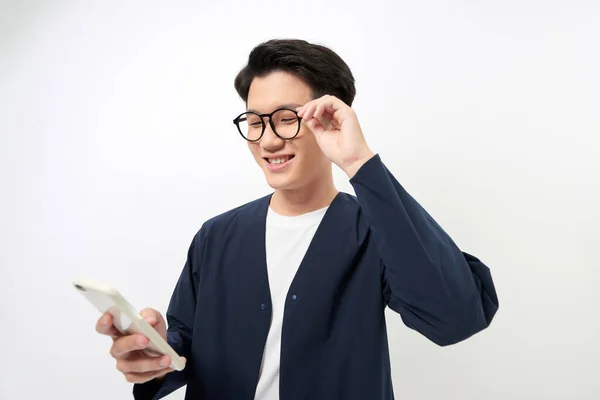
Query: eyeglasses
x,y
284,122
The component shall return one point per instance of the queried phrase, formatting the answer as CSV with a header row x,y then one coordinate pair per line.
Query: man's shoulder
x,y
242,214
348,199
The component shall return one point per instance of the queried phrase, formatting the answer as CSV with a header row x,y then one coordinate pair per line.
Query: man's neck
x,y
318,195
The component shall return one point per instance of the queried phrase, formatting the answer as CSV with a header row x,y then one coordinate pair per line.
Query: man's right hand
x,y
133,360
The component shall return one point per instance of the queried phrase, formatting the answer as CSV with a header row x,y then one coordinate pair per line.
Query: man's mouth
x,y
278,160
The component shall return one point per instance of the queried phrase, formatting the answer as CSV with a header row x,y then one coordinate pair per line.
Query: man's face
x,y
303,160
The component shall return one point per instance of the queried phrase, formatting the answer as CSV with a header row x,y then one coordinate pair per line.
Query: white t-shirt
x,y
287,239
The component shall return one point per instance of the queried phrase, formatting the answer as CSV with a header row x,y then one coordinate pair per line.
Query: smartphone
x,y
127,321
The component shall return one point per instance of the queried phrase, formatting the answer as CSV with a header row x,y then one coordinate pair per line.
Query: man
x,y
284,297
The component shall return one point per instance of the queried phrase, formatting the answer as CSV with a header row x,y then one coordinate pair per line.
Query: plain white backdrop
x,y
116,143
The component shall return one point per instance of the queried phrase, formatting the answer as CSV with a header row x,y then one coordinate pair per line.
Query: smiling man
x,y
284,297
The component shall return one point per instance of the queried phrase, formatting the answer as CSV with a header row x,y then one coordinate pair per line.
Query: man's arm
x,y
180,319
439,291
445,294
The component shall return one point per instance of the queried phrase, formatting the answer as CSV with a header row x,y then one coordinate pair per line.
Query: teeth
x,y
278,160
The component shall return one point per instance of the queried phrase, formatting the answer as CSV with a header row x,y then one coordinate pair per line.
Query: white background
x,y
116,143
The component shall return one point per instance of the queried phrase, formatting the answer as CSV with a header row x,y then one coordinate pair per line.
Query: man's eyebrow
x,y
293,106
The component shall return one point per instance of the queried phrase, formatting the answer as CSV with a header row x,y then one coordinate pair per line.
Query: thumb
x,y
152,316
315,126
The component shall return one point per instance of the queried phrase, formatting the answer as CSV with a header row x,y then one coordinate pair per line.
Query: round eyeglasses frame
x,y
237,120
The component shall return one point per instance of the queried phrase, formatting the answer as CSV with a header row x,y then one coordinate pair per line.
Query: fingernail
x,y
150,319
141,342
164,362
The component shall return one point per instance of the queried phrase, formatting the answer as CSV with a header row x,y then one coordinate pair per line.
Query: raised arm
x,y
445,294
438,290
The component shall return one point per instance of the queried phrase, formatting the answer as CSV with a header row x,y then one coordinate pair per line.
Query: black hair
x,y
318,66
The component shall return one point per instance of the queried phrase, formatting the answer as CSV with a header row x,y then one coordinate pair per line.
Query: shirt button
x,y
262,306
294,297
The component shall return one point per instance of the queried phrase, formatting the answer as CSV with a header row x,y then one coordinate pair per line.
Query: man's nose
x,y
269,139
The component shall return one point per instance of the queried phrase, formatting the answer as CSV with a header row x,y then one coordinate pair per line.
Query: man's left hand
x,y
337,131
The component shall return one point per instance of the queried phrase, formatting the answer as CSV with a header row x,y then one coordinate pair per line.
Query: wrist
x,y
352,168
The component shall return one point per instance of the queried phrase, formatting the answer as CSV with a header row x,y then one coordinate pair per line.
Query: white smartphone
x,y
125,318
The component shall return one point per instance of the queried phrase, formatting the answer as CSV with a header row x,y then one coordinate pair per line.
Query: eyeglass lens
x,y
286,124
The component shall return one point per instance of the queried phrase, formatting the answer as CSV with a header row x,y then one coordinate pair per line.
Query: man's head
x,y
288,74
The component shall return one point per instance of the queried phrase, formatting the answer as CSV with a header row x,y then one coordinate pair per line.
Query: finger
x,y
144,377
309,110
150,315
319,110
105,326
336,112
302,109
330,102
315,126
155,319
324,116
329,106
134,377
333,104
143,364
126,344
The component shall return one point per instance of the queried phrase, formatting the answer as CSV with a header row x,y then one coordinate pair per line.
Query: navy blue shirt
x,y
376,249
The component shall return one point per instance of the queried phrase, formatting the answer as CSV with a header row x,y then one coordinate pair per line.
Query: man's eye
x,y
255,124
288,120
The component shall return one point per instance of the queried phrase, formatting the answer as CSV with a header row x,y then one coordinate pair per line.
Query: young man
x,y
284,297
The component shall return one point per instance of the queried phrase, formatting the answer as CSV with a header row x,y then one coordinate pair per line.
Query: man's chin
x,y
279,182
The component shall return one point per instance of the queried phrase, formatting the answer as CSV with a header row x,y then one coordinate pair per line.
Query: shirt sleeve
x,y
438,290
180,320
